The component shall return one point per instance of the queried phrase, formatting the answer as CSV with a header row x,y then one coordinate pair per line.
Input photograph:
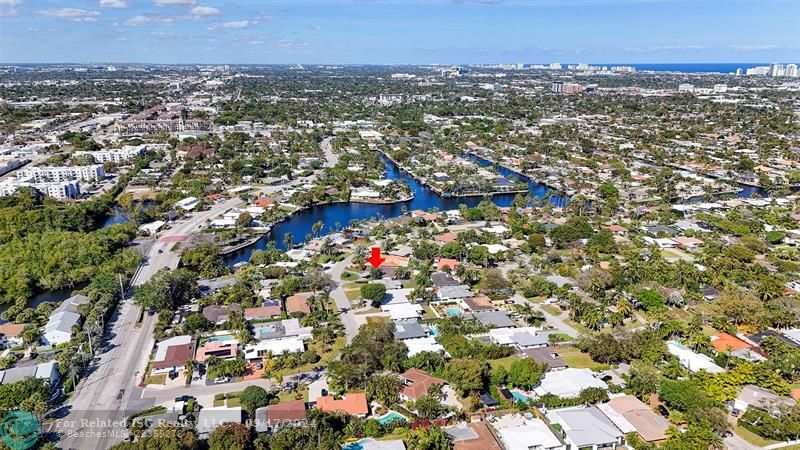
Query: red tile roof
x,y
353,403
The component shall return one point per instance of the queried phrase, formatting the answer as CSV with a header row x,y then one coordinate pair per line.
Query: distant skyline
x,y
399,32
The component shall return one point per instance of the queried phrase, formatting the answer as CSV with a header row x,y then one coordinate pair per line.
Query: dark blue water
x,y
424,199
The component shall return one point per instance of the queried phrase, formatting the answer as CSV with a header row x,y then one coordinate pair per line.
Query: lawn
x,y
352,294
429,314
156,379
349,276
552,310
503,362
326,355
289,396
751,437
579,360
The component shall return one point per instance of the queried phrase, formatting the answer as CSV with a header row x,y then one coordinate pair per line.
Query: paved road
x,y
734,442
160,396
338,295
330,158
104,394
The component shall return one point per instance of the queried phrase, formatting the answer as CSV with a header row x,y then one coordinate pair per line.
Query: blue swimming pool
x,y
391,416
453,312
520,396
220,338
357,445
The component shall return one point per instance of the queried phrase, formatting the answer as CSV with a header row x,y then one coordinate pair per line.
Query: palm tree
x,y
288,240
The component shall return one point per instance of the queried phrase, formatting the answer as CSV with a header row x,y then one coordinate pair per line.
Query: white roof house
x,y
693,361
274,347
568,382
523,436
152,227
209,419
402,311
59,327
424,344
587,428
189,203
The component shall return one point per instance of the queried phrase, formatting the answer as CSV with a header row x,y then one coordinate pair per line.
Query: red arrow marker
x,y
376,259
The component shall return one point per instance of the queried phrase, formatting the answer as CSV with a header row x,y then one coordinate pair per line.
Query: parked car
x,y
220,380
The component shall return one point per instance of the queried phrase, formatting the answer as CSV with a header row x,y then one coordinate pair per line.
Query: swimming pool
x,y
357,445
391,416
220,338
453,312
519,396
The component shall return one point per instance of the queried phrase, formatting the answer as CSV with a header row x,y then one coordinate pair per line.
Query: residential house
x,y
442,279
290,413
424,344
761,398
547,356
693,361
408,329
228,349
522,338
58,329
353,403
568,382
172,354
587,428
628,412
453,293
473,436
298,303
416,384
268,310
494,319
43,371
11,334
209,419
517,432
273,347
218,314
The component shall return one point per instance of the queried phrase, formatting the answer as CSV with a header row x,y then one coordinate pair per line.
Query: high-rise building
x,y
555,66
791,71
739,72
685,87
557,87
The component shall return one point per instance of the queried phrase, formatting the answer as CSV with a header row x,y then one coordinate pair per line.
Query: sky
x,y
399,31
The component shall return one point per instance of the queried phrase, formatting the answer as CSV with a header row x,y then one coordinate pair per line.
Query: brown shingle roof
x,y
176,356
286,412
417,383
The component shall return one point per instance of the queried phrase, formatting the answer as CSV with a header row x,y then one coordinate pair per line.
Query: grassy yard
x,y
326,355
349,276
156,379
429,314
352,294
503,362
289,396
579,360
751,437
552,310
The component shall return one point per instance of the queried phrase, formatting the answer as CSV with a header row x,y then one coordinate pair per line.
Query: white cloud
x,y
113,4
236,25
143,21
174,2
754,48
73,14
204,11
256,42
10,2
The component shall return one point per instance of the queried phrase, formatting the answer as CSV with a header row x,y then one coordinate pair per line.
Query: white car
x,y
220,380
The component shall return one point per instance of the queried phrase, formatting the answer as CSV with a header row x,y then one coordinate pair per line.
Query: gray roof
x,y
408,329
545,355
525,339
209,419
17,374
588,426
71,304
62,321
262,420
441,279
495,319
452,292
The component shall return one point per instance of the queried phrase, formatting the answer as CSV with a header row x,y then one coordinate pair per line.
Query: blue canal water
x,y
301,223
